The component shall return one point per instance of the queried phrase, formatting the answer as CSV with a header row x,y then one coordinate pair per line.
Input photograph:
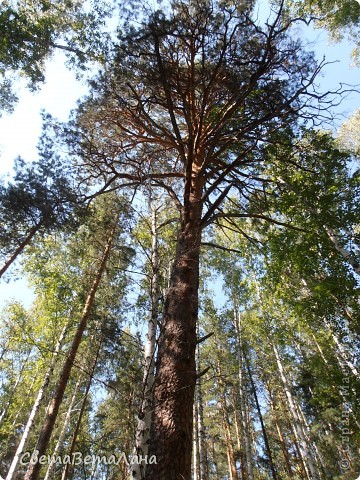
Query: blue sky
x,y
19,132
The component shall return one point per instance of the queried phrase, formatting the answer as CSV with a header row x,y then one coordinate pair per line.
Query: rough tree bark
x,y
171,429
196,466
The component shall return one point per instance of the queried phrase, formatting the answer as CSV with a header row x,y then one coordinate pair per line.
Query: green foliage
x,y
41,197
31,30
348,134
338,17
285,284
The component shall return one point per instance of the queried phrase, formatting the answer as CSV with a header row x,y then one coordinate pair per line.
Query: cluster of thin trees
x,y
193,244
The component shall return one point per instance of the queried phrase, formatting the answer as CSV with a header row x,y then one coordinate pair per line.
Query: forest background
x,y
275,352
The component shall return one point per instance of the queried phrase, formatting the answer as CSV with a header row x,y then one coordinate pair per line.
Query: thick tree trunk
x,y
35,408
144,417
21,247
33,470
172,422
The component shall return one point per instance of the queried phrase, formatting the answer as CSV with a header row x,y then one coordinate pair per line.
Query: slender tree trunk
x,y
33,470
5,349
144,417
214,459
196,466
299,433
61,438
36,406
172,422
263,429
201,433
342,353
236,422
13,390
238,432
22,405
67,468
294,441
233,474
200,421
320,350
280,435
318,455
348,255
21,247
243,402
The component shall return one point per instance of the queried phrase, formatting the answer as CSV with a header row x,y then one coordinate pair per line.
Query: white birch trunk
x,y
7,406
35,408
348,255
195,443
318,454
144,418
343,354
308,460
23,403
